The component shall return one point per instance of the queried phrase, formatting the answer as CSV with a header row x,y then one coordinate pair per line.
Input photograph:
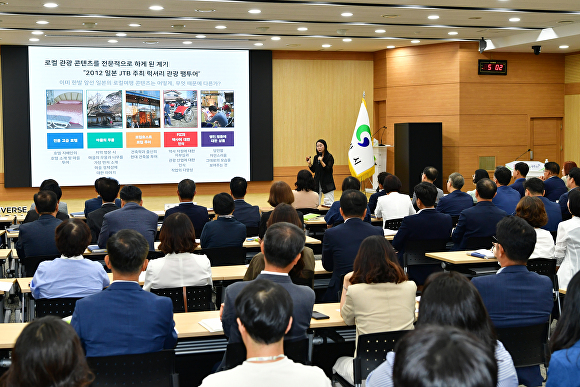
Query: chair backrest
x,y
476,243
526,345
309,211
296,350
415,251
31,263
393,224
371,352
251,231
544,266
226,256
155,369
307,279
188,298
60,307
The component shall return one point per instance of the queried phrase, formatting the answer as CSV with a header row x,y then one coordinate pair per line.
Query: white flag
x,y
361,160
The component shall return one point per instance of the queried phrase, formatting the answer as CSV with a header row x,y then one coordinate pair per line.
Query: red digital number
x,y
489,67
499,67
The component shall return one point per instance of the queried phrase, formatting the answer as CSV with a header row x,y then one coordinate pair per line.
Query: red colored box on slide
x,y
180,139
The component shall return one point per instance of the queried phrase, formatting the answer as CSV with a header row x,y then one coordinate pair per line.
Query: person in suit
x,y
380,192
506,198
426,224
264,312
521,170
480,220
244,212
573,177
341,243
96,203
456,201
333,216
48,185
124,319
535,187
197,214
225,231
132,215
109,190
37,238
429,175
516,297
282,246
554,186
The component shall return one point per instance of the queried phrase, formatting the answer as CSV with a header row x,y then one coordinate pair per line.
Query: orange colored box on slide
x,y
143,140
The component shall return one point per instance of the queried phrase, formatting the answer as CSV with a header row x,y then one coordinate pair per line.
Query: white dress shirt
x,y
394,205
567,250
177,270
544,245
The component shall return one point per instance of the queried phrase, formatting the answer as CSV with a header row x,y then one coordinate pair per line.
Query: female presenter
x,y
322,165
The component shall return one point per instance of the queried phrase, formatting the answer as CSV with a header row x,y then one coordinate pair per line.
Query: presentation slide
x,y
142,116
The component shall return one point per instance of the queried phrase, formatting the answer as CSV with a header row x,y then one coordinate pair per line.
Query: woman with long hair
x,y
321,165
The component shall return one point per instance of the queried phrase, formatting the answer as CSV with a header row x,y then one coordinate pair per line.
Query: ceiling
x,y
373,25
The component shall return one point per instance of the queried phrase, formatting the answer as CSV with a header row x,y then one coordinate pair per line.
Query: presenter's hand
x,y
319,159
308,158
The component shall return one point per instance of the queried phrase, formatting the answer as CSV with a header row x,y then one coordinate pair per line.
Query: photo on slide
x,y
142,109
64,109
104,109
217,108
180,108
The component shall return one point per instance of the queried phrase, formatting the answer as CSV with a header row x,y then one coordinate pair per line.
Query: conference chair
x,y
526,345
547,267
188,298
371,352
155,369
60,307
415,250
225,256
30,264
476,243
295,350
251,231
306,279
393,224
306,211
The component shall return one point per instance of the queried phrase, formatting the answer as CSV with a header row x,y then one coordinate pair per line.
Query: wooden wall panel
x,y
425,100
572,68
433,67
546,131
494,129
572,128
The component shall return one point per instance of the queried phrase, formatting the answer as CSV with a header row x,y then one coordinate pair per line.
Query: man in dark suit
x,y
132,215
456,201
506,198
480,220
380,192
124,319
521,170
429,175
48,185
282,246
225,231
426,224
198,214
109,190
573,177
96,203
554,186
341,242
535,187
37,238
243,212
516,297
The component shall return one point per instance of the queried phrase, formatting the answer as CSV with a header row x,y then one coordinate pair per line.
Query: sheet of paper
x,y
212,324
6,286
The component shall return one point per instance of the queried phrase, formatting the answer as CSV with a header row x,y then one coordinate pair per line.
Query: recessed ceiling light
x,y
390,46
302,29
134,25
113,41
178,26
200,36
37,33
205,10
433,17
258,44
33,39
187,42
327,45
89,24
121,34
156,8
452,33
347,40
346,14
390,16
150,42
3,3
254,11
514,19
42,22
415,41
380,31
564,47
50,5
275,38
221,27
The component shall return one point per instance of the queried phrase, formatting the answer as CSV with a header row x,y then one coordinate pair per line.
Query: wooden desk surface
x,y
562,291
5,253
7,280
9,218
9,333
458,257
2,232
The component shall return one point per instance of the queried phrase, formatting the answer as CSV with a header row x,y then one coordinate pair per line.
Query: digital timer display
x,y
492,67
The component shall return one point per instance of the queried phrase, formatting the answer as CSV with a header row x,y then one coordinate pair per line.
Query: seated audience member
x,y
506,198
426,224
47,353
264,312
124,319
535,187
516,297
96,203
456,201
48,185
71,275
429,175
109,190
477,176
564,369
180,266
377,296
333,216
197,214
437,356
380,192
553,185
37,238
132,215
521,170
480,220
573,177
304,194
393,205
568,165
341,243
280,192
281,247
304,268
244,212
225,231
449,300
531,209
567,250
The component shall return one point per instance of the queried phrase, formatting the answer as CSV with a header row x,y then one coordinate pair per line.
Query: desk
x,y
458,258
562,291
10,218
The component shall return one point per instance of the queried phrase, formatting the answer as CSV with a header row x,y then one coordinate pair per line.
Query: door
x,y
546,139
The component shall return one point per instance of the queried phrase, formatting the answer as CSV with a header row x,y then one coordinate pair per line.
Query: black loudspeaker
x,y
418,145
